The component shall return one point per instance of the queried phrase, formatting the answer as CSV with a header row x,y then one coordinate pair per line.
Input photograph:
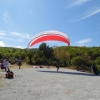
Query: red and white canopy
x,y
49,36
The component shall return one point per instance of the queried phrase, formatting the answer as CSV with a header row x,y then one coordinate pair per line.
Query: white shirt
x,y
6,64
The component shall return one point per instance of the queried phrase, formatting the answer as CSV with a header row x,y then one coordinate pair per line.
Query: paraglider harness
x,y
41,67
9,74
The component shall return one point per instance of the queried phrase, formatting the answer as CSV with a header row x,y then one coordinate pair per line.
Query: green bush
x,y
98,67
77,61
97,61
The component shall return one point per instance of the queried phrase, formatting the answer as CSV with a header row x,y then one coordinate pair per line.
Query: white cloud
x,y
77,3
2,44
19,47
10,39
84,41
88,14
2,33
14,36
6,17
5,35
27,36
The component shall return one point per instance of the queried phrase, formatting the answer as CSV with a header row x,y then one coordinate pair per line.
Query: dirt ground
x,y
1,78
24,65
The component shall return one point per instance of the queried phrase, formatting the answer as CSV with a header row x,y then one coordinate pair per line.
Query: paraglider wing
x,y
49,35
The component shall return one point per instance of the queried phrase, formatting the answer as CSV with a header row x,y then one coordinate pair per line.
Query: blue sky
x,y
20,20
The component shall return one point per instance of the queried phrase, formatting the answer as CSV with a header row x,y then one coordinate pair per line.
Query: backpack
x,y
9,74
2,65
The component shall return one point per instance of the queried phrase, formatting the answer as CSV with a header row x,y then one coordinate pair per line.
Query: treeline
x,y
67,56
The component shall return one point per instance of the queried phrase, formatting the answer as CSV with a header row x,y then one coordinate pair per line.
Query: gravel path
x,y
47,84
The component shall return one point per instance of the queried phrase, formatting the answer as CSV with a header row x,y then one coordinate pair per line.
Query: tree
x,y
77,61
62,56
97,61
30,54
1,55
47,51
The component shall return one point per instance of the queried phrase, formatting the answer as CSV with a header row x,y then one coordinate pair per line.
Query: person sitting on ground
x,y
95,70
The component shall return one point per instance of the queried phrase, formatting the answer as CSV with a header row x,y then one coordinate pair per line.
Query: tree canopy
x,y
66,55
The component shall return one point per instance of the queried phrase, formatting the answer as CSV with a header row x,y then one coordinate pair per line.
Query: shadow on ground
x,y
72,73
